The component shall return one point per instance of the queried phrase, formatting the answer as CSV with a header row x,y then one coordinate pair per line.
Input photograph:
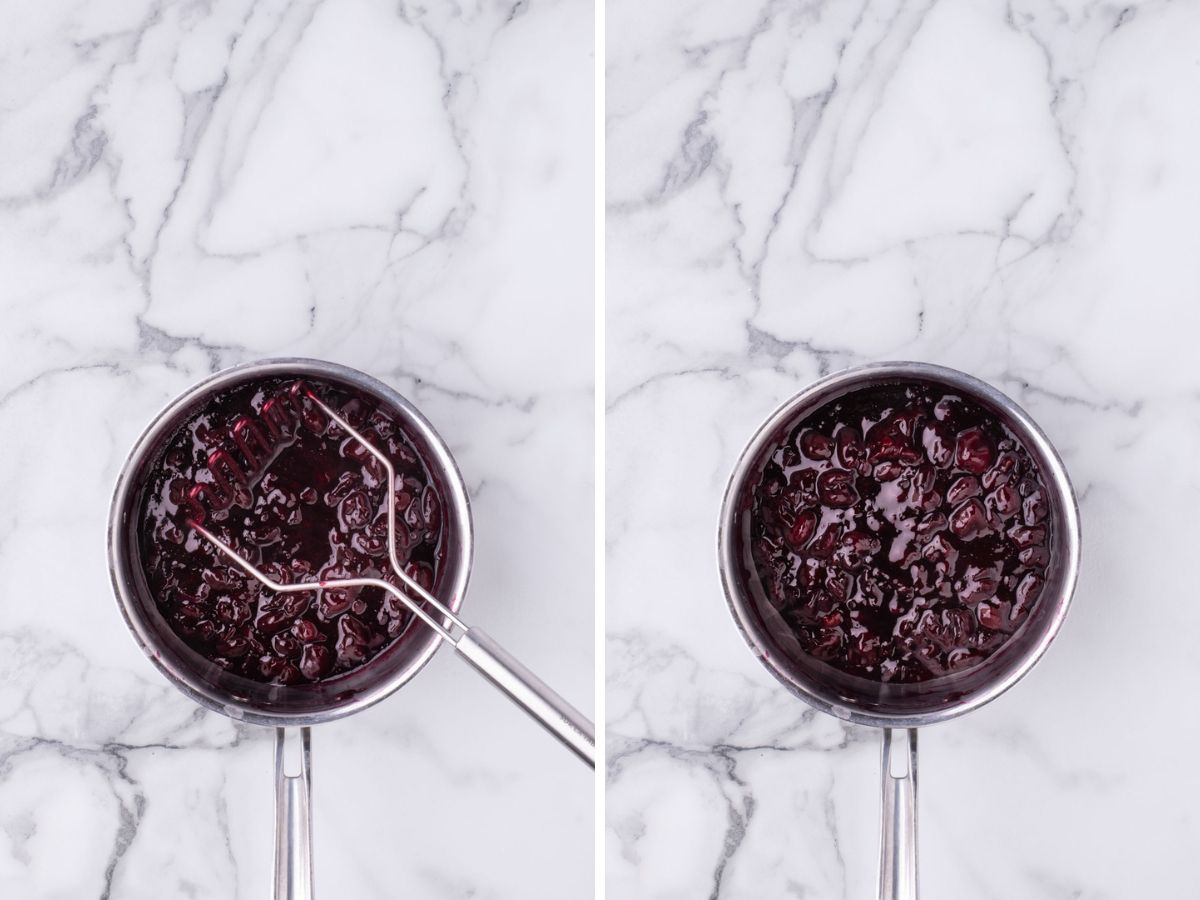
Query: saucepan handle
x,y
530,693
898,845
293,815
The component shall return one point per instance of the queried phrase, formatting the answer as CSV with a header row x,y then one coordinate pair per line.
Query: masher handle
x,y
529,692
898,844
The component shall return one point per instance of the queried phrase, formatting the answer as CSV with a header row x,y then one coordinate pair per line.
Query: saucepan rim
x,y
122,558
1067,543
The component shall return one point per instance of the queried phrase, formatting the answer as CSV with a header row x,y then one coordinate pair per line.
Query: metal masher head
x,y
447,615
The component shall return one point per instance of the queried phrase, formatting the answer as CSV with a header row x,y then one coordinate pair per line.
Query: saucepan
x,y
898,709
292,708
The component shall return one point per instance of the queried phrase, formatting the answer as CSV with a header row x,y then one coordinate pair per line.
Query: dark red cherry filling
x,y
271,475
899,534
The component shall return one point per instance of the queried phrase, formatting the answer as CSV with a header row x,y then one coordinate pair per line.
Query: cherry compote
x,y
264,469
900,533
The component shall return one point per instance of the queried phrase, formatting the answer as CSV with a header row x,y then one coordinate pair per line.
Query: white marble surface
x,y
402,187
1009,189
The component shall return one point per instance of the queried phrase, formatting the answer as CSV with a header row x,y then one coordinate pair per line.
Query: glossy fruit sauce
x,y
266,471
899,533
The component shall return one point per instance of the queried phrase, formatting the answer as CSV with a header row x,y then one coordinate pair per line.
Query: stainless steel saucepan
x,y
287,707
900,709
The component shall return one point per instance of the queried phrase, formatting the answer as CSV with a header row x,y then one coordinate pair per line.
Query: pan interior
x,y
855,697
233,694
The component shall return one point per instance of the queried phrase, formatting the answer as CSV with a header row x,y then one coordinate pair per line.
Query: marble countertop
x,y
1006,188
404,188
